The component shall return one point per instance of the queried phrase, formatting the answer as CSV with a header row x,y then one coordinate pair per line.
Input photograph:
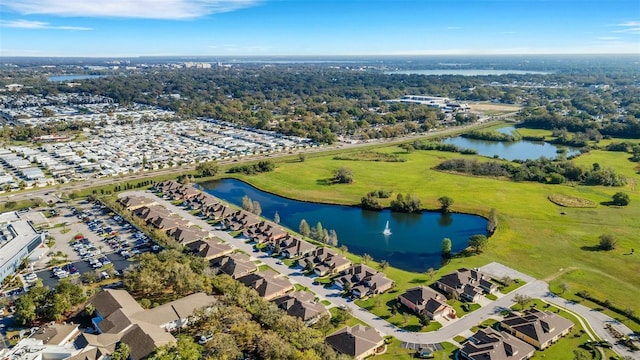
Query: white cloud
x,y
148,9
38,25
633,30
453,28
628,27
630,23
607,38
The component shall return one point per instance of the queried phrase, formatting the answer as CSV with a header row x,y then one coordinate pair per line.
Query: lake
x,y
466,72
414,243
73,77
517,150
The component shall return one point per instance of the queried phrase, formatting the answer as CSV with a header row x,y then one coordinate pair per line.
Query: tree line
x,y
541,170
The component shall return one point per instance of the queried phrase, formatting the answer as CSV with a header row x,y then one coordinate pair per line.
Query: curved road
x,y
533,288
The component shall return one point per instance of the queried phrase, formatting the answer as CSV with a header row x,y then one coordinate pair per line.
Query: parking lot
x,y
95,241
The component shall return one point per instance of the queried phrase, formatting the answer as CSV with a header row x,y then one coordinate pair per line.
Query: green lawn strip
x,y
299,287
289,262
389,308
350,320
514,285
565,346
491,297
533,236
460,339
483,325
325,302
265,267
462,308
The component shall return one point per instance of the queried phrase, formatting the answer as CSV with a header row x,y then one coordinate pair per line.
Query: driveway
x,y
533,288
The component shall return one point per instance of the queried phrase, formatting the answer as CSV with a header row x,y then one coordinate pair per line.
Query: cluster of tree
x,y
438,146
252,206
634,149
370,201
539,118
207,168
43,304
478,242
541,170
168,274
621,199
343,175
445,203
28,132
408,204
491,136
252,169
318,233
244,325
370,156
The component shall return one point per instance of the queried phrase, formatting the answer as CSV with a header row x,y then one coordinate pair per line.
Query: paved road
x,y
533,288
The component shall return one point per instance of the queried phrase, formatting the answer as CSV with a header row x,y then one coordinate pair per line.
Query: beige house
x,y
358,341
538,328
424,300
489,344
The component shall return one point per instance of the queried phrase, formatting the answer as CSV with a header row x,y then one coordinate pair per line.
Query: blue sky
x,y
316,27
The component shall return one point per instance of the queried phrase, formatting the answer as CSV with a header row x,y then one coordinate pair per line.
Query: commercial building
x,y
18,239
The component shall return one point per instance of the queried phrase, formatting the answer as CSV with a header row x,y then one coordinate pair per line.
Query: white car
x,y
104,275
31,277
205,339
62,274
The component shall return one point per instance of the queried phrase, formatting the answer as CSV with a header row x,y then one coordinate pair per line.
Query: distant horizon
x,y
162,28
320,56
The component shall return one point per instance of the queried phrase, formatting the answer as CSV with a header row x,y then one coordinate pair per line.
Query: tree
x,y
317,233
344,248
343,175
121,352
383,264
446,247
431,273
208,168
445,203
478,242
581,354
276,218
247,204
302,157
563,288
304,228
608,242
492,222
257,209
333,237
521,300
621,199
366,258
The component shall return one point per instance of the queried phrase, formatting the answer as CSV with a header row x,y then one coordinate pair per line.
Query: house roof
x,y
465,276
425,298
237,264
355,341
57,334
489,344
143,339
266,284
177,309
108,301
539,325
209,249
300,304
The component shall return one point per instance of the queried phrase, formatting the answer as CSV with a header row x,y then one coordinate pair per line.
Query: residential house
x,y
168,223
209,249
241,219
466,284
363,281
265,232
358,341
236,265
186,235
325,261
57,334
119,318
217,212
132,202
291,246
538,328
166,185
424,300
303,305
267,283
149,213
489,344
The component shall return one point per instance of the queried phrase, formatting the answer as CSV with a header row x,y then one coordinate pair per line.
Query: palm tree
x,y
366,258
383,264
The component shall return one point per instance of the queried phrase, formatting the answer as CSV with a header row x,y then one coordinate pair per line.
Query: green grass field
x,y
534,235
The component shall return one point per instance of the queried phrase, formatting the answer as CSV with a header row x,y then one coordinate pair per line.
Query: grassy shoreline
x,y
534,235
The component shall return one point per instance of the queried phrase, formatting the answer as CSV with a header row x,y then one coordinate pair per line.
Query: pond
x,y
517,150
415,240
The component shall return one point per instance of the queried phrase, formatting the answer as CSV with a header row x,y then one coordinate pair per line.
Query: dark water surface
x,y
415,240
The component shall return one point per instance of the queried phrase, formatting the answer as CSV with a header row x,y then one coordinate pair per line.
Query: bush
x,y
621,199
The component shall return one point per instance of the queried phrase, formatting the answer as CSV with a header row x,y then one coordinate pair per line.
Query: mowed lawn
x,y
534,235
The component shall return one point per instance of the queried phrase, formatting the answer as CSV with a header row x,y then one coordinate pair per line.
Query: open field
x,y
534,235
488,107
